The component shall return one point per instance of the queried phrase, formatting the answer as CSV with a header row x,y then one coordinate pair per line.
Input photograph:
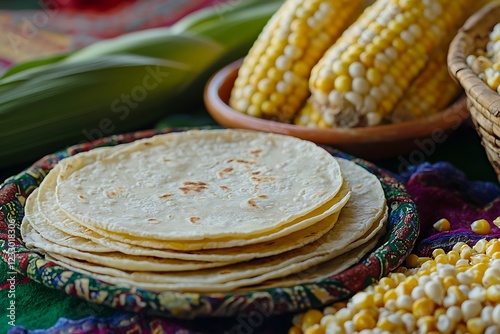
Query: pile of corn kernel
x,y
487,64
454,292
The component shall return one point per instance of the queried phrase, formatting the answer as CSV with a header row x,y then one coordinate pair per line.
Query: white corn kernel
x,y
356,69
477,293
444,324
464,278
487,314
454,313
470,309
434,290
445,270
417,292
404,302
492,330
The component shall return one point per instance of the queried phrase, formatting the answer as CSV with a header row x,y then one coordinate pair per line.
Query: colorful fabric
x,y
55,26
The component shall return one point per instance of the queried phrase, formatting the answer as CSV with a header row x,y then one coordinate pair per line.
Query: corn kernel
x,y
442,224
476,326
493,293
385,325
442,258
453,257
423,307
315,329
388,282
438,251
412,261
450,281
426,324
294,330
311,317
363,300
390,295
363,321
481,226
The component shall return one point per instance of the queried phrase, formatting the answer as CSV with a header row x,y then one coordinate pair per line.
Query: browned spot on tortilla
x,y
81,196
147,144
166,159
112,193
193,187
245,162
252,203
263,179
165,196
241,161
225,188
255,172
256,152
194,220
225,171
153,220
263,196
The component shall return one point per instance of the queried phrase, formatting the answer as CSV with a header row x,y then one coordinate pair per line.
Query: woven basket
x,y
482,102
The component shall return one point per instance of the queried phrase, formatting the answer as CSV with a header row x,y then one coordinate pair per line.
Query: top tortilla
x,y
242,183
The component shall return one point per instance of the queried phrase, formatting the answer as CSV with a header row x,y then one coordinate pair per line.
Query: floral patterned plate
x,y
403,228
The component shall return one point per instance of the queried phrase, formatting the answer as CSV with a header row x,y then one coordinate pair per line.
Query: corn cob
x,y
366,72
454,292
272,81
430,93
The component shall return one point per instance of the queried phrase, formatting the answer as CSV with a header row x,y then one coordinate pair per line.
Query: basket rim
x,y
477,90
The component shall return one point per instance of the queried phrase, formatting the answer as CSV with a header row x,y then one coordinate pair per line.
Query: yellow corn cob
x,y
365,73
430,93
272,81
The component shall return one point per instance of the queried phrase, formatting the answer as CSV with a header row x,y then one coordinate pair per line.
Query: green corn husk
x,y
48,104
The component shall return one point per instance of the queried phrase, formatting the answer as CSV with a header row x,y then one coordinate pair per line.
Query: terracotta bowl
x,y
372,143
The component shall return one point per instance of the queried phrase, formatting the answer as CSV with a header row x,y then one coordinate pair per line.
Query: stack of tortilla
x,y
206,211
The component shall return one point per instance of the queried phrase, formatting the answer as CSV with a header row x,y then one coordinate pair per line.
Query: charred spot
x,y
252,203
241,161
225,171
255,172
113,193
165,196
153,220
256,152
81,196
194,220
166,159
193,187
245,162
263,179
225,188
263,196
